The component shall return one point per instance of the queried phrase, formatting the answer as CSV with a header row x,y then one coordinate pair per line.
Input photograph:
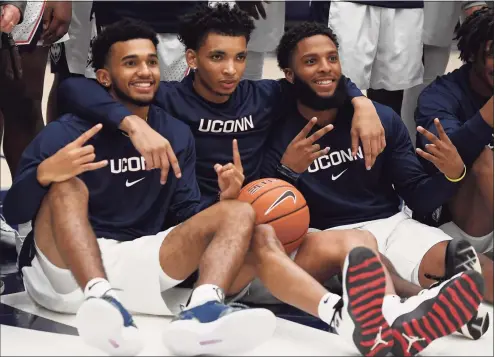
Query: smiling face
x,y
220,63
315,61
132,72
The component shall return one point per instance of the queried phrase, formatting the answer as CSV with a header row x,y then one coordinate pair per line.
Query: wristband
x,y
288,174
458,179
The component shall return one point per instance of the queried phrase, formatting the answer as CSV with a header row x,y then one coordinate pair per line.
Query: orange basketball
x,y
281,205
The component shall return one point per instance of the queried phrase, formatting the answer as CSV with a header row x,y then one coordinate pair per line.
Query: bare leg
x,y
433,263
472,206
20,102
403,287
323,254
216,240
64,235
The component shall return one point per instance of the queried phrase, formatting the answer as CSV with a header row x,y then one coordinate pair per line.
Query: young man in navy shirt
x,y
343,195
213,101
100,236
463,102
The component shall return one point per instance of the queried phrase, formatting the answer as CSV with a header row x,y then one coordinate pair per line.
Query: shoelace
x,y
234,305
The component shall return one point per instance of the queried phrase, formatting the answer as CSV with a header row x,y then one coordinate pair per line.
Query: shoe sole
x,y
101,325
476,327
364,284
456,303
234,333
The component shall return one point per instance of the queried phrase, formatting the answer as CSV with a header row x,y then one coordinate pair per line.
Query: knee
x,y
483,165
238,211
357,238
265,240
71,188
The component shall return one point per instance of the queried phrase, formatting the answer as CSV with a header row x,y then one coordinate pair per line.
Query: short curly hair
x,y
474,33
291,38
220,19
123,30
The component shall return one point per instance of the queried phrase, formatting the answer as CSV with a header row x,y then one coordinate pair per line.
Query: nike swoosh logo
x,y
129,184
287,194
336,177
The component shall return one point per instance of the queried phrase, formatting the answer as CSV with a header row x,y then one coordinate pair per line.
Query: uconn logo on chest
x,y
131,164
334,158
226,126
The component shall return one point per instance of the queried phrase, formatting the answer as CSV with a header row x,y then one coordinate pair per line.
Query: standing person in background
x,y
20,97
71,57
381,46
440,19
266,35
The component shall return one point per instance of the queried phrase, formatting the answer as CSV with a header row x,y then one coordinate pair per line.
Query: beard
x,y
128,99
308,97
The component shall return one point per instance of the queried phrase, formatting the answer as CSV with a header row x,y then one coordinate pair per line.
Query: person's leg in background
x,y
398,61
435,60
254,66
71,57
20,104
264,39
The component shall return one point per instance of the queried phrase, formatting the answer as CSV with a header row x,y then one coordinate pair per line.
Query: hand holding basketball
x,y
441,152
71,160
302,151
231,176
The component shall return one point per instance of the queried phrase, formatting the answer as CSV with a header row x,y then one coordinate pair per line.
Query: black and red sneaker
x,y
359,318
436,312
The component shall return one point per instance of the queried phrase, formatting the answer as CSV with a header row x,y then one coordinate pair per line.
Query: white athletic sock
x,y
391,308
204,293
326,307
98,287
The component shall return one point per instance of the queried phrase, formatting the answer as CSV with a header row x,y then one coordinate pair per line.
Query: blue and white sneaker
x,y
105,324
215,328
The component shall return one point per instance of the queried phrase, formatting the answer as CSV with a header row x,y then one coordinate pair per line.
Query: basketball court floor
x,y
29,330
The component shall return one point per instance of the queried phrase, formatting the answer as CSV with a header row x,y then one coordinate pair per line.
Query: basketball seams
x,y
271,189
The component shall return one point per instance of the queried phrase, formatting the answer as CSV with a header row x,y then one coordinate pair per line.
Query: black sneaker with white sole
x,y
461,256
436,312
359,318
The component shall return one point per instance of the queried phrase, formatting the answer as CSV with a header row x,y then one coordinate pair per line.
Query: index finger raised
x,y
80,141
320,133
236,155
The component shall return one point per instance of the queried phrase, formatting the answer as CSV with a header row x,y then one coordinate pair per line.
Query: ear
x,y
192,59
289,75
103,77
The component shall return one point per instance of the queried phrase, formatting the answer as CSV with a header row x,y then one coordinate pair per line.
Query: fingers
x,y
426,156
85,159
94,165
319,153
236,155
320,133
375,150
165,168
434,150
367,152
172,159
354,142
431,137
148,160
305,131
85,150
47,19
87,135
441,133
383,142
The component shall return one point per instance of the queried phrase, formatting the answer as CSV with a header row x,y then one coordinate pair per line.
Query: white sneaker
x,y
359,318
8,235
435,312
105,324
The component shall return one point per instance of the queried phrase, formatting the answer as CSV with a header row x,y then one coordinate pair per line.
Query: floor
x,y
27,329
